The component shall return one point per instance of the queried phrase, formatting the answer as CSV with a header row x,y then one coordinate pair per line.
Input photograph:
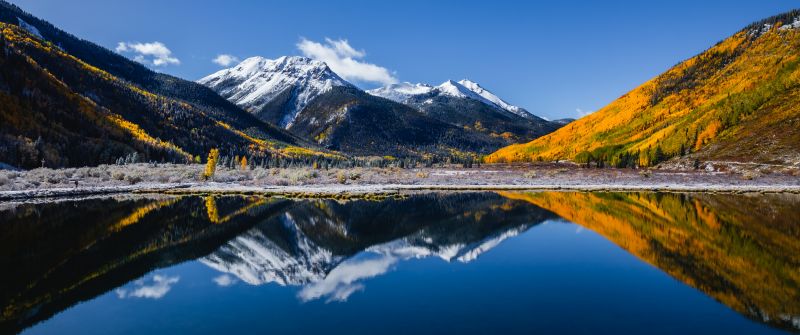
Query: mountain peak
x,y
256,81
464,88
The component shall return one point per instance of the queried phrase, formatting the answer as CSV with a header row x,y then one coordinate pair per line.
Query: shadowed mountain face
x,y
742,250
349,120
739,249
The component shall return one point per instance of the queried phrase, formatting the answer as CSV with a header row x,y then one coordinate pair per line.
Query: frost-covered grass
x,y
144,175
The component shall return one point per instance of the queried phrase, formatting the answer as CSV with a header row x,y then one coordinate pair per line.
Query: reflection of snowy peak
x,y
421,246
257,81
256,259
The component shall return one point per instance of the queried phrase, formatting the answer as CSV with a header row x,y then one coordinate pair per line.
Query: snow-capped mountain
x,y
404,92
275,90
489,96
401,92
469,106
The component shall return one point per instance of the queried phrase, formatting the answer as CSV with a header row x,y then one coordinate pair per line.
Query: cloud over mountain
x,y
346,61
155,53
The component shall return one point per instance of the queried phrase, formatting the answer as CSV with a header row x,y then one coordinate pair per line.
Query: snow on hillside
x,y
30,28
461,89
474,87
402,91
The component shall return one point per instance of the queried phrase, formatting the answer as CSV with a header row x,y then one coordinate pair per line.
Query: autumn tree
x,y
211,164
243,164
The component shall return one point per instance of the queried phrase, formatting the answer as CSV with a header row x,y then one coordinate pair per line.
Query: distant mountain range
x,y
468,105
308,99
738,101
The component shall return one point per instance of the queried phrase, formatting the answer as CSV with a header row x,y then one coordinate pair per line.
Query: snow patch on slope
x,y
462,89
474,87
30,28
402,91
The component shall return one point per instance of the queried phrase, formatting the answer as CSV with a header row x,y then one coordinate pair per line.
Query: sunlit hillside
x,y
737,101
58,110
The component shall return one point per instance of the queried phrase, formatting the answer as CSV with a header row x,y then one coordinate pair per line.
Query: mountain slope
x,y
737,101
58,110
349,120
468,105
162,84
274,90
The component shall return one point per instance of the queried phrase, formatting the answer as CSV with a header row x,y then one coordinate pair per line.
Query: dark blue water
x,y
476,264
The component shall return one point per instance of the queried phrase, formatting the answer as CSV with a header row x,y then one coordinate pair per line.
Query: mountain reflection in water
x,y
742,250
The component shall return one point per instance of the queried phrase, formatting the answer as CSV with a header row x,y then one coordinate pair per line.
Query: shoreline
x,y
376,190
379,182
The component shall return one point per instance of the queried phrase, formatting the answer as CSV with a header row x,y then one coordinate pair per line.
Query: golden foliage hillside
x,y
736,101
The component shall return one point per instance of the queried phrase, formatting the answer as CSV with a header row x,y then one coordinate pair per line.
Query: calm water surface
x,y
475,263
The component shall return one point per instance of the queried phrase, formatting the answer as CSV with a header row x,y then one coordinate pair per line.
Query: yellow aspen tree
x,y
244,163
211,164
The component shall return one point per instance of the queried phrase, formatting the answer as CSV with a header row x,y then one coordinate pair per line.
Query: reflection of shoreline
x,y
742,250
727,183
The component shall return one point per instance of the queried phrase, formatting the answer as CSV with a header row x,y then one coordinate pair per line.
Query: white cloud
x,y
225,60
345,61
582,113
155,53
224,280
342,281
159,287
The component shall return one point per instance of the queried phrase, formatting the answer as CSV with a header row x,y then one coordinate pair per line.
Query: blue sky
x,y
557,60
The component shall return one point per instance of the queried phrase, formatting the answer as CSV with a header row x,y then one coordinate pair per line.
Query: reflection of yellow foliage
x,y
211,209
139,213
213,212
719,244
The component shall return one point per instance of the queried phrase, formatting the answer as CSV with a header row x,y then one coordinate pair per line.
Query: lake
x,y
429,263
